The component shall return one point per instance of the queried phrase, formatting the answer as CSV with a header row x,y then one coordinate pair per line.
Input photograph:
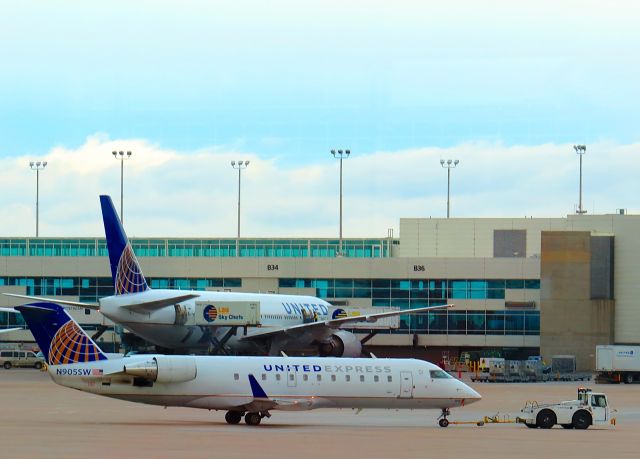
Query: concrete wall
x,y
570,321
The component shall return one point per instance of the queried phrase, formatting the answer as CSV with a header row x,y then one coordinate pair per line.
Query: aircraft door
x,y
292,379
406,384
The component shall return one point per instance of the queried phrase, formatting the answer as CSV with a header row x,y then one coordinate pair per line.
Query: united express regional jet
x,y
175,319
248,387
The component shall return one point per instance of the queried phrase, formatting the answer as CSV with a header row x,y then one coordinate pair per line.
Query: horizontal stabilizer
x,y
55,300
7,330
152,305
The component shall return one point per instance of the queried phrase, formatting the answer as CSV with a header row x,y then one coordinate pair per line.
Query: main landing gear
x,y
444,422
251,419
233,417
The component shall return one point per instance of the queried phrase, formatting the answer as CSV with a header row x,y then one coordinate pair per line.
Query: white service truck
x,y
590,408
618,363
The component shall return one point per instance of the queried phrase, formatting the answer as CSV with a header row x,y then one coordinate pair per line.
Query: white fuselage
x,y
304,383
164,327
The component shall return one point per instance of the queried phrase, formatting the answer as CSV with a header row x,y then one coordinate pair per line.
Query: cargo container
x,y
618,363
226,313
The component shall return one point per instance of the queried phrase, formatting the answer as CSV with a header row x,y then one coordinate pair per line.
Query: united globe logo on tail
x,y
210,313
71,345
129,277
58,335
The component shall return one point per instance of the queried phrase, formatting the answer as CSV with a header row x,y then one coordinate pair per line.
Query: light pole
x,y
121,156
448,165
239,166
580,150
340,154
37,166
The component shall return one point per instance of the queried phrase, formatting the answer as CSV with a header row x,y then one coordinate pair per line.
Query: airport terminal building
x,y
523,286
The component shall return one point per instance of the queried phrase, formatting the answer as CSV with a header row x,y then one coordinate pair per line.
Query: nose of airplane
x,y
468,393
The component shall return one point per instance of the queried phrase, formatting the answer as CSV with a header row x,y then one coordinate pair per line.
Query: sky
x,y
505,87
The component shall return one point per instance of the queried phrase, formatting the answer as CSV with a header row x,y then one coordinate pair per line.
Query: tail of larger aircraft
x,y
60,338
125,269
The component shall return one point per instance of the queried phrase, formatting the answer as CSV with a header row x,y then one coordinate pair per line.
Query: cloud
x,y
171,193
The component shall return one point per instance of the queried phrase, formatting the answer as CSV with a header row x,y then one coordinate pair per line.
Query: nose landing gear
x,y
443,421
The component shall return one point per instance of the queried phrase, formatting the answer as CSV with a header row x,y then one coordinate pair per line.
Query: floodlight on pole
x,y
121,156
37,166
448,165
580,150
239,165
340,154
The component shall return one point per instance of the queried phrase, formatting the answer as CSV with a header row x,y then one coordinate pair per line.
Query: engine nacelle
x,y
147,369
164,369
341,344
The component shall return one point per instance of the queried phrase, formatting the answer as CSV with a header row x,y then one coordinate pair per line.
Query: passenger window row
x,y
318,378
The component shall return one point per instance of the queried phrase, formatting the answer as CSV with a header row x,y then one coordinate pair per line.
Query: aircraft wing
x,y
262,402
55,300
335,323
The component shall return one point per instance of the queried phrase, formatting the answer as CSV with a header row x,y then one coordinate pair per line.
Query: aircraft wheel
x,y
233,417
252,419
443,422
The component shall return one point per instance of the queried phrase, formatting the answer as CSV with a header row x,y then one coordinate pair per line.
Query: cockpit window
x,y
439,374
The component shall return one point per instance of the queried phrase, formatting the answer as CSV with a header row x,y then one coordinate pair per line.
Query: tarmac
x,y
40,419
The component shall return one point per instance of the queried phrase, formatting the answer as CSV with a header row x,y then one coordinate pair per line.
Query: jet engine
x,y
341,344
164,369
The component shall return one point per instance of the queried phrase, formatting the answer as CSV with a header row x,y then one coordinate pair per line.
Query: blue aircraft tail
x,y
60,338
125,269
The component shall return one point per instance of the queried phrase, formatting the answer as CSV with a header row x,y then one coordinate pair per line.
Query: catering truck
x,y
618,363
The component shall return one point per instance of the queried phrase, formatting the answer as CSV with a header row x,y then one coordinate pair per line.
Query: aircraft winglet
x,y
256,389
